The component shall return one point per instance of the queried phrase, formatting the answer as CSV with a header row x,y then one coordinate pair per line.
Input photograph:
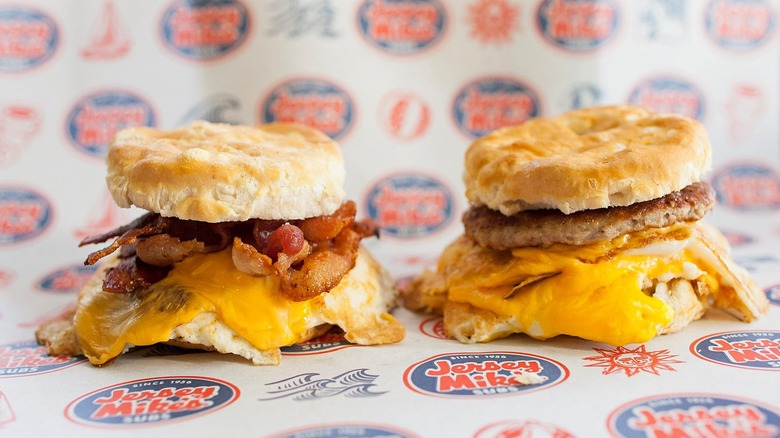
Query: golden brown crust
x,y
218,172
586,159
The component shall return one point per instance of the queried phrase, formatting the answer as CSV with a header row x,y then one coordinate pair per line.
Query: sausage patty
x,y
546,227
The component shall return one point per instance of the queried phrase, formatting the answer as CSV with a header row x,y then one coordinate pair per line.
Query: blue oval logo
x,y
694,415
739,25
402,27
29,38
578,26
410,205
747,187
151,401
317,103
28,359
670,95
480,375
772,294
69,279
205,30
347,430
24,215
757,350
96,118
484,105
331,341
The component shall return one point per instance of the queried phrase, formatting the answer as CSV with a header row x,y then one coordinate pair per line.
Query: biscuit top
x,y
218,172
586,159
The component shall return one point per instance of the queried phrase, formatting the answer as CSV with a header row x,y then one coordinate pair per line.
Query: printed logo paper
x,y
670,95
317,103
28,358
24,214
68,279
578,26
410,205
483,375
739,25
757,350
205,30
747,187
29,38
402,27
487,104
151,401
96,118
694,415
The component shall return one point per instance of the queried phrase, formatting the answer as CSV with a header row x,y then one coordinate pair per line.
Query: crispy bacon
x,y
132,275
324,268
321,228
145,225
165,250
310,256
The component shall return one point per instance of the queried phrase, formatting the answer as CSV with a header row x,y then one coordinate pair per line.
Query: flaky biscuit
x,y
586,159
218,172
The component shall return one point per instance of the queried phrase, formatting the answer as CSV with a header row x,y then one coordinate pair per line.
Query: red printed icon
x,y
18,125
109,38
404,115
632,361
104,216
6,413
493,21
522,429
745,108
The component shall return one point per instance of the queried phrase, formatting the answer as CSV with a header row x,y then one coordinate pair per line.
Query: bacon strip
x,y
146,225
309,256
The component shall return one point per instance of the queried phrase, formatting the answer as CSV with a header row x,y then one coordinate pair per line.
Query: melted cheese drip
x,y
596,293
251,306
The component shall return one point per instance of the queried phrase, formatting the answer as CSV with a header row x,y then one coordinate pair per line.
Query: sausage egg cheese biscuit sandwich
x,y
589,225
248,246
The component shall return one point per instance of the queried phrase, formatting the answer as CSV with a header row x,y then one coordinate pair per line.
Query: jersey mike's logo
x,y
28,38
331,341
739,25
347,430
487,104
490,374
747,187
402,27
758,350
578,25
151,400
316,103
96,118
28,358
694,415
670,95
205,30
772,293
24,214
433,327
410,205
68,279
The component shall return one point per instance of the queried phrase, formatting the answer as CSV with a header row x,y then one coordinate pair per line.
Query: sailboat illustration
x,y
6,413
109,37
109,217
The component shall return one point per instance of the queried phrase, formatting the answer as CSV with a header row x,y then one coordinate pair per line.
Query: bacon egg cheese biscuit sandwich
x,y
248,246
589,225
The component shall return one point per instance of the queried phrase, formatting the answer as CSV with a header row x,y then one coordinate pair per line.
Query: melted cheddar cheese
x,y
593,292
251,306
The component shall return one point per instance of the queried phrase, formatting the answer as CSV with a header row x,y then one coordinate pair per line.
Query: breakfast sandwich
x,y
590,225
248,246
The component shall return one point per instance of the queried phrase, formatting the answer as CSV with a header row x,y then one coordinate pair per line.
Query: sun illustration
x,y
493,21
632,361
